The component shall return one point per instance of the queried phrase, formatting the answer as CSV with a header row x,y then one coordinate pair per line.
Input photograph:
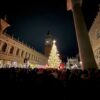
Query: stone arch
x,y
11,50
17,53
4,47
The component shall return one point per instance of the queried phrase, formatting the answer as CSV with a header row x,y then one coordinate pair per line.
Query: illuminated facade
x,y
94,34
13,51
72,61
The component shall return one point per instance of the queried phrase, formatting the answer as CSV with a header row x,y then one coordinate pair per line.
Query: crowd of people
x,y
61,75
61,83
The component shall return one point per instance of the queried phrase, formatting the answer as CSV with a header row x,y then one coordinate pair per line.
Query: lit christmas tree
x,y
54,60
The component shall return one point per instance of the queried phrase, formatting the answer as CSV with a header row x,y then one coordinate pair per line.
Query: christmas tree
x,y
54,60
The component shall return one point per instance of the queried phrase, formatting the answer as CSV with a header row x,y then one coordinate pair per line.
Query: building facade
x,y
73,62
94,34
13,51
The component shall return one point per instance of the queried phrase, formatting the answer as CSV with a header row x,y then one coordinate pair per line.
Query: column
x,y
24,54
19,52
1,44
84,45
15,50
8,48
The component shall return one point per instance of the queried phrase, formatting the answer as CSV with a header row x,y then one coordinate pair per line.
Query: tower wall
x,y
47,50
48,44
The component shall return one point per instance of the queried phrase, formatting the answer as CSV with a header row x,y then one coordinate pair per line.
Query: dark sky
x,y
31,20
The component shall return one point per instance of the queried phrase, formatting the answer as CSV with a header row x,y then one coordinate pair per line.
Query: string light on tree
x,y
54,59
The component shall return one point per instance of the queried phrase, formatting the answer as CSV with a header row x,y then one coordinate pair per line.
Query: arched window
x,y
4,47
17,53
11,50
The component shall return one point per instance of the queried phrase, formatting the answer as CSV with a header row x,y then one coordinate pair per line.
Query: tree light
x,y
54,60
54,41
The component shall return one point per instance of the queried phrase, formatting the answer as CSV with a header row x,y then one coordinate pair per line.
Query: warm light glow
x,y
80,62
54,60
58,54
54,41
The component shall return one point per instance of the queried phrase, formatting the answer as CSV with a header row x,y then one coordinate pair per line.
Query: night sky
x,y
31,20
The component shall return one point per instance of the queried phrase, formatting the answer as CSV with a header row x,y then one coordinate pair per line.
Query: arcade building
x,y
16,53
